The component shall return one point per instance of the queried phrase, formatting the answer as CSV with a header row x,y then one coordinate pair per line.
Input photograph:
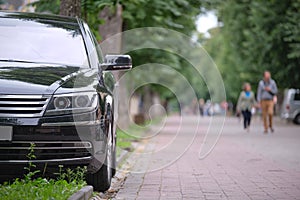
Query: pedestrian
x,y
266,92
194,106
201,106
245,104
208,108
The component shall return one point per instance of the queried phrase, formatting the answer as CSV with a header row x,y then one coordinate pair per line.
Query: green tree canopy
x,y
254,36
179,15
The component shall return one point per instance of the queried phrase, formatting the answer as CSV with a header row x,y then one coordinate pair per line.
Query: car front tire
x,y
101,180
114,162
297,119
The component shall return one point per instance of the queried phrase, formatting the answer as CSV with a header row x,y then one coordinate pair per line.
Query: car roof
x,y
39,17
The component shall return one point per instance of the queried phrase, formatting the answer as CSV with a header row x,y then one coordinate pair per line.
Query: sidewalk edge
x,y
84,193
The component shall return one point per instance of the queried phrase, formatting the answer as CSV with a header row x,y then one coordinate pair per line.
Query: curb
x,y
84,193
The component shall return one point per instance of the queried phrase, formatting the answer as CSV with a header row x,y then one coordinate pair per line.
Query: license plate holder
x,y
6,133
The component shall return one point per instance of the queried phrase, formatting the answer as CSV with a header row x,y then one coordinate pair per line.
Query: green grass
x,y
62,188
40,188
125,138
67,183
124,141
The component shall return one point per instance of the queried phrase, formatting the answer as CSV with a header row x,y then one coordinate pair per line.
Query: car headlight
x,y
72,103
82,101
61,102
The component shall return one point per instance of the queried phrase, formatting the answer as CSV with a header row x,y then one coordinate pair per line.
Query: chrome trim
x,y
84,153
40,103
82,123
77,145
22,96
69,110
23,102
21,108
21,115
42,148
47,161
50,142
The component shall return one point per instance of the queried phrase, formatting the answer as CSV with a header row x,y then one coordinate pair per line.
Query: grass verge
x,y
39,188
68,182
134,133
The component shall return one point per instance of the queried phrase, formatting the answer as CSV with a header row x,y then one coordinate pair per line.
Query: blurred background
x,y
243,37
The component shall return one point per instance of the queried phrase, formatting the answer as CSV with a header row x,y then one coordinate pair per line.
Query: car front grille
x,y
22,105
45,151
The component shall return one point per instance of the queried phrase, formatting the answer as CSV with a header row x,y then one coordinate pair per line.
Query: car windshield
x,y
27,40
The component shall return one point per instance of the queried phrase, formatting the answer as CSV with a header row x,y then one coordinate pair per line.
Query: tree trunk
x,y
113,45
70,8
148,101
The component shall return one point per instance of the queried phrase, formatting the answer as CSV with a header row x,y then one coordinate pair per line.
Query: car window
x,y
94,51
297,96
98,49
39,42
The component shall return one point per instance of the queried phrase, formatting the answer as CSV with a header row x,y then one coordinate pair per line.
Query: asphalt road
x,y
180,159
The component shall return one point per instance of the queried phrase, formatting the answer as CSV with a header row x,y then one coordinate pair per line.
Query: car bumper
x,y
60,140
287,116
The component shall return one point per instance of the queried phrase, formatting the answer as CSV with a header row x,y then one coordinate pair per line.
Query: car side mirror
x,y
116,62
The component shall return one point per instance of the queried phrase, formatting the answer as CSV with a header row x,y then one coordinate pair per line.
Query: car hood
x,y
28,78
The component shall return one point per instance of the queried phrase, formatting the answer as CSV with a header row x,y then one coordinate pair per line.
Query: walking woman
x,y
245,103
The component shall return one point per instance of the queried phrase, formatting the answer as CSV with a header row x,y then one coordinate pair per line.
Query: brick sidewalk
x,y
240,167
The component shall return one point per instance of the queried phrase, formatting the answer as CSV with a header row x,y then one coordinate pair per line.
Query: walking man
x,y
266,91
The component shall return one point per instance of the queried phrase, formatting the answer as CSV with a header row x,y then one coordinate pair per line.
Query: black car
x,y
57,96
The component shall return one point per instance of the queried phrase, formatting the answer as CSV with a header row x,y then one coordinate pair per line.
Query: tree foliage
x,y
179,15
255,36
170,14
89,10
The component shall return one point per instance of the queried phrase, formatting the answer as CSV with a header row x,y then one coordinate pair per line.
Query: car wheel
x,y
114,162
101,180
297,119
114,143
114,150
